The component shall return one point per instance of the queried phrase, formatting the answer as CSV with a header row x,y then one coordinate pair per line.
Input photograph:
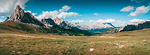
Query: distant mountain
x,y
109,24
98,28
24,17
142,25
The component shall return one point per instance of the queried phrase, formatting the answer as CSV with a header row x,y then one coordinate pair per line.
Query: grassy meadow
x,y
123,43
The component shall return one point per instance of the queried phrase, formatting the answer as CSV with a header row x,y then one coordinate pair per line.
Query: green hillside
x,y
14,27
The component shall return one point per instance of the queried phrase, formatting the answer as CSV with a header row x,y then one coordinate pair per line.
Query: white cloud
x,y
28,11
140,10
102,21
50,14
137,1
137,20
96,21
64,8
67,14
113,21
8,6
34,14
54,14
31,12
1,20
127,9
2,16
75,21
96,14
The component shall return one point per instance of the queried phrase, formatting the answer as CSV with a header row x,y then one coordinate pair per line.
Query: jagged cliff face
x,y
17,15
24,17
48,22
142,25
63,24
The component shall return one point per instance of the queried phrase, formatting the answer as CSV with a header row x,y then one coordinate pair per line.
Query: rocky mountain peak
x,y
17,14
18,6
23,17
63,24
48,22
58,21
143,22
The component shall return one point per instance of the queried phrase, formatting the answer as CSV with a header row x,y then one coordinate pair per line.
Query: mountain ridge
x,y
142,25
25,22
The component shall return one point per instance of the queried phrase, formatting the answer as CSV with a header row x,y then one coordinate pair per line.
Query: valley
x,y
73,29
122,43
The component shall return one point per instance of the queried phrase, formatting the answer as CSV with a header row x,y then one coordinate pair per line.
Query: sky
x,y
86,12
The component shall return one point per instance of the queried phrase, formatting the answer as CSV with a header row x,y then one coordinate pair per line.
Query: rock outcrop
x,y
48,22
23,17
142,25
112,30
63,24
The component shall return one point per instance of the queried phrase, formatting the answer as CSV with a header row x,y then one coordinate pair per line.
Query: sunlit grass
x,y
28,45
125,43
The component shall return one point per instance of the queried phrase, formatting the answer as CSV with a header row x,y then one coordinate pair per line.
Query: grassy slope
x,y
136,33
13,27
135,43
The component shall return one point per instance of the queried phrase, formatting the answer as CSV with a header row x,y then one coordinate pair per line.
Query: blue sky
x,y
82,11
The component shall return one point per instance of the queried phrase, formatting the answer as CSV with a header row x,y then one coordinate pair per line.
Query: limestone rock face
x,y
142,25
58,21
48,22
17,15
24,17
63,24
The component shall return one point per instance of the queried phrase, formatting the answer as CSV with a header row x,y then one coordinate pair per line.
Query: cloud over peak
x,y
137,1
76,21
8,6
117,23
137,20
62,13
127,9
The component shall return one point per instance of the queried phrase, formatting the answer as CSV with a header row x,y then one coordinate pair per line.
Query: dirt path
x,y
104,36
24,35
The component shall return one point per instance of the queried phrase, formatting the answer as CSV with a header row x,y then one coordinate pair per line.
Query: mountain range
x,y
96,26
142,25
24,21
21,20
95,29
